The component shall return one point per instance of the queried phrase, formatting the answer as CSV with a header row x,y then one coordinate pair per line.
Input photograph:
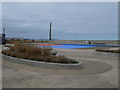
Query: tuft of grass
x,y
63,59
35,53
111,51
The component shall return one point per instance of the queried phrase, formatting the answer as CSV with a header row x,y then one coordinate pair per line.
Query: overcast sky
x,y
90,20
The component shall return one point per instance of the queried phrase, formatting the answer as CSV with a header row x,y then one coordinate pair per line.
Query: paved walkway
x,y
101,72
0,69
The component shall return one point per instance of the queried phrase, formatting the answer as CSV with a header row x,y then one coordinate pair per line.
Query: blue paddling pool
x,y
71,46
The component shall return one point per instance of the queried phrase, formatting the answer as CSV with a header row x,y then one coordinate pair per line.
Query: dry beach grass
x,y
111,50
31,52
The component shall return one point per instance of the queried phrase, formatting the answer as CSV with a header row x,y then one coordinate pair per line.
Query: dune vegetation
x,y
31,52
107,50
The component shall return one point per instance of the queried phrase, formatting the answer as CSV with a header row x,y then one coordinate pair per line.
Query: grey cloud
x,y
89,20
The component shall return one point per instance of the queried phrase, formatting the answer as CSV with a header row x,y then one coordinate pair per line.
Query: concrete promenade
x,y
107,42
101,72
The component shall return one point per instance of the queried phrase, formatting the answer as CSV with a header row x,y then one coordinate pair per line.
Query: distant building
x,y
2,39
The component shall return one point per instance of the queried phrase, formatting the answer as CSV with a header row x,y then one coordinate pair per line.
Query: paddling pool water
x,y
71,46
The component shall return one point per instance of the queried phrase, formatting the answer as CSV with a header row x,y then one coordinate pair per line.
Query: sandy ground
x,y
101,72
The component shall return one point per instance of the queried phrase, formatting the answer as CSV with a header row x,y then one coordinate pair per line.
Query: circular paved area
x,y
90,67
100,72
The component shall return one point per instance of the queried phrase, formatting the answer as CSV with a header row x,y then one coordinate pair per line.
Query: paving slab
x,y
101,72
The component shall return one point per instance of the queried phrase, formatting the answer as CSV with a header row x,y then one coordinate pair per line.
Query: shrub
x,y
46,52
12,48
112,51
35,53
48,59
62,59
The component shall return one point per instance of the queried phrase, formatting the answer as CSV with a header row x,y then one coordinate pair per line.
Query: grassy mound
x,y
111,51
35,53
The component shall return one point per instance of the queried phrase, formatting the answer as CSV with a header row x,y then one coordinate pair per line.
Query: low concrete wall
x,y
43,64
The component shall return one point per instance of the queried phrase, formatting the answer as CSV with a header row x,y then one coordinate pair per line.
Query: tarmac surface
x,y
101,71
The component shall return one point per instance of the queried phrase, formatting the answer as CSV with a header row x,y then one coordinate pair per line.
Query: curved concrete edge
x,y
106,53
43,64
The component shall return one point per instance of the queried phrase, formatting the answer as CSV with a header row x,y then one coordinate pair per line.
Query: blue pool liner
x,y
73,46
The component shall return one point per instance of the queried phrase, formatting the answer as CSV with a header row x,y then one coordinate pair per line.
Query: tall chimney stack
x,y
3,30
3,37
50,32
